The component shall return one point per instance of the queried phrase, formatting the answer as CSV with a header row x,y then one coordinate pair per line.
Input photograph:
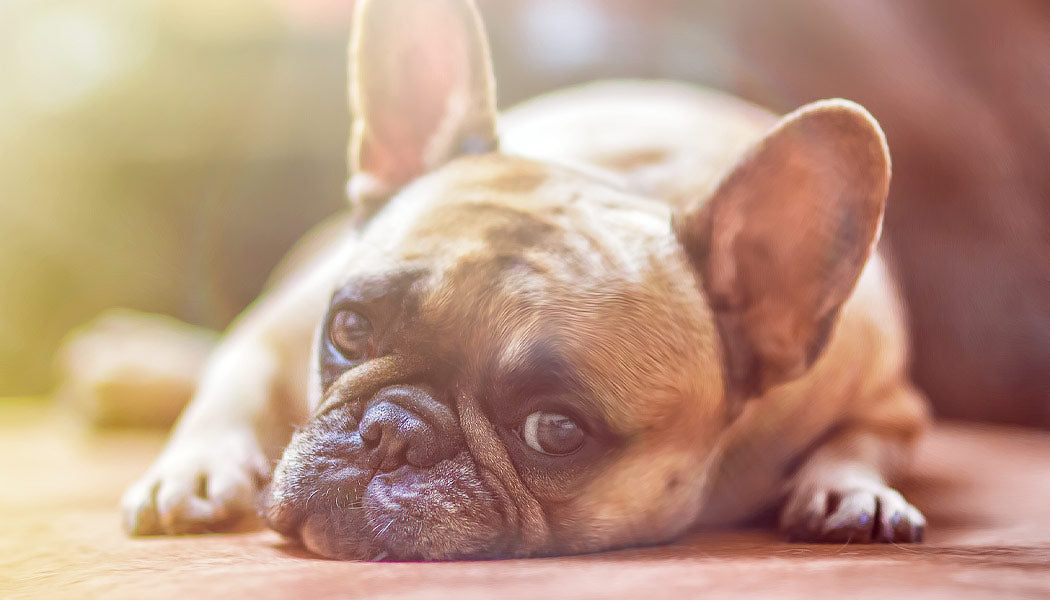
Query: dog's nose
x,y
408,425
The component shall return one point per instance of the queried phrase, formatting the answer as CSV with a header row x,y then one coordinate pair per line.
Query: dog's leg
x,y
214,462
251,396
840,493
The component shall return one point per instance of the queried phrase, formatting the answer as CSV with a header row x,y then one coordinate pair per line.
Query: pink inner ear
x,y
781,243
427,62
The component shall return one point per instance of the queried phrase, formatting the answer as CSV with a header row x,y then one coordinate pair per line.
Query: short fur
x,y
689,278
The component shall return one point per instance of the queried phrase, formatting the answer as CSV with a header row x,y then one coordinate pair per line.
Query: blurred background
x,y
164,154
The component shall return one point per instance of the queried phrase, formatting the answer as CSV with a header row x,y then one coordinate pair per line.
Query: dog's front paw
x,y
199,485
860,513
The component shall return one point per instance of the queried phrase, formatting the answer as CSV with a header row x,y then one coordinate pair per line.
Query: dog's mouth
x,y
327,494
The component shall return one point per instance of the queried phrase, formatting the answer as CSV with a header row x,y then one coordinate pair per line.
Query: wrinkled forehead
x,y
516,272
496,207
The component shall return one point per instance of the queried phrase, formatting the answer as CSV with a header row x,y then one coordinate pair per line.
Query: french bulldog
x,y
616,314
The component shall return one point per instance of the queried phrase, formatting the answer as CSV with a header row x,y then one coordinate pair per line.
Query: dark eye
x,y
551,433
351,334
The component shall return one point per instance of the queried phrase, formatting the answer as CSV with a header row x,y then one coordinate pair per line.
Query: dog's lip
x,y
285,519
311,529
316,535
288,517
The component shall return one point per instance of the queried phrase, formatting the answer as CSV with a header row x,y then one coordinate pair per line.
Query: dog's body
x,y
523,356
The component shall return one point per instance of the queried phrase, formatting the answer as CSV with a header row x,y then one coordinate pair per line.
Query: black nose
x,y
408,425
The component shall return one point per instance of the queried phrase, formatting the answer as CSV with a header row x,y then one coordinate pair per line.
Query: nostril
x,y
371,432
406,425
391,455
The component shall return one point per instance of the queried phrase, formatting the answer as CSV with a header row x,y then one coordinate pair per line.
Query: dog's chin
x,y
439,513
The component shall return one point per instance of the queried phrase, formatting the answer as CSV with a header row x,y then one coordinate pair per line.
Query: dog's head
x,y
522,359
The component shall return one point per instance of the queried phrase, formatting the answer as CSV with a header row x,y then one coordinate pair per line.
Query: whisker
x,y
391,522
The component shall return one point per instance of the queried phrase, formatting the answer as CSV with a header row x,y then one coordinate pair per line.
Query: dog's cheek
x,y
649,496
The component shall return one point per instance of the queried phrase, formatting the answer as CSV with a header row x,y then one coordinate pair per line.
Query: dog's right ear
x,y
421,93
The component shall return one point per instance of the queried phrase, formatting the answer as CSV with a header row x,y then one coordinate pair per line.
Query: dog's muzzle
x,y
394,480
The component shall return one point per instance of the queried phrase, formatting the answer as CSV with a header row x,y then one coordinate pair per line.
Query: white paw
x,y
203,484
859,512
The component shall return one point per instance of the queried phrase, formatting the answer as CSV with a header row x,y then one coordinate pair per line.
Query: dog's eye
x,y
351,334
551,433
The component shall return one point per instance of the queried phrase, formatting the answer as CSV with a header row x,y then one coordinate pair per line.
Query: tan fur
x,y
564,242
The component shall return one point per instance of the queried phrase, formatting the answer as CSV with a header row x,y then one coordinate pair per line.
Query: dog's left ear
x,y
421,92
781,243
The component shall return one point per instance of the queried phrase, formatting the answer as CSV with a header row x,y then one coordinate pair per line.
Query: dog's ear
x,y
421,92
781,243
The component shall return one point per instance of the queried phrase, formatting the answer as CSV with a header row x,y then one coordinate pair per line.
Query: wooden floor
x,y
986,492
